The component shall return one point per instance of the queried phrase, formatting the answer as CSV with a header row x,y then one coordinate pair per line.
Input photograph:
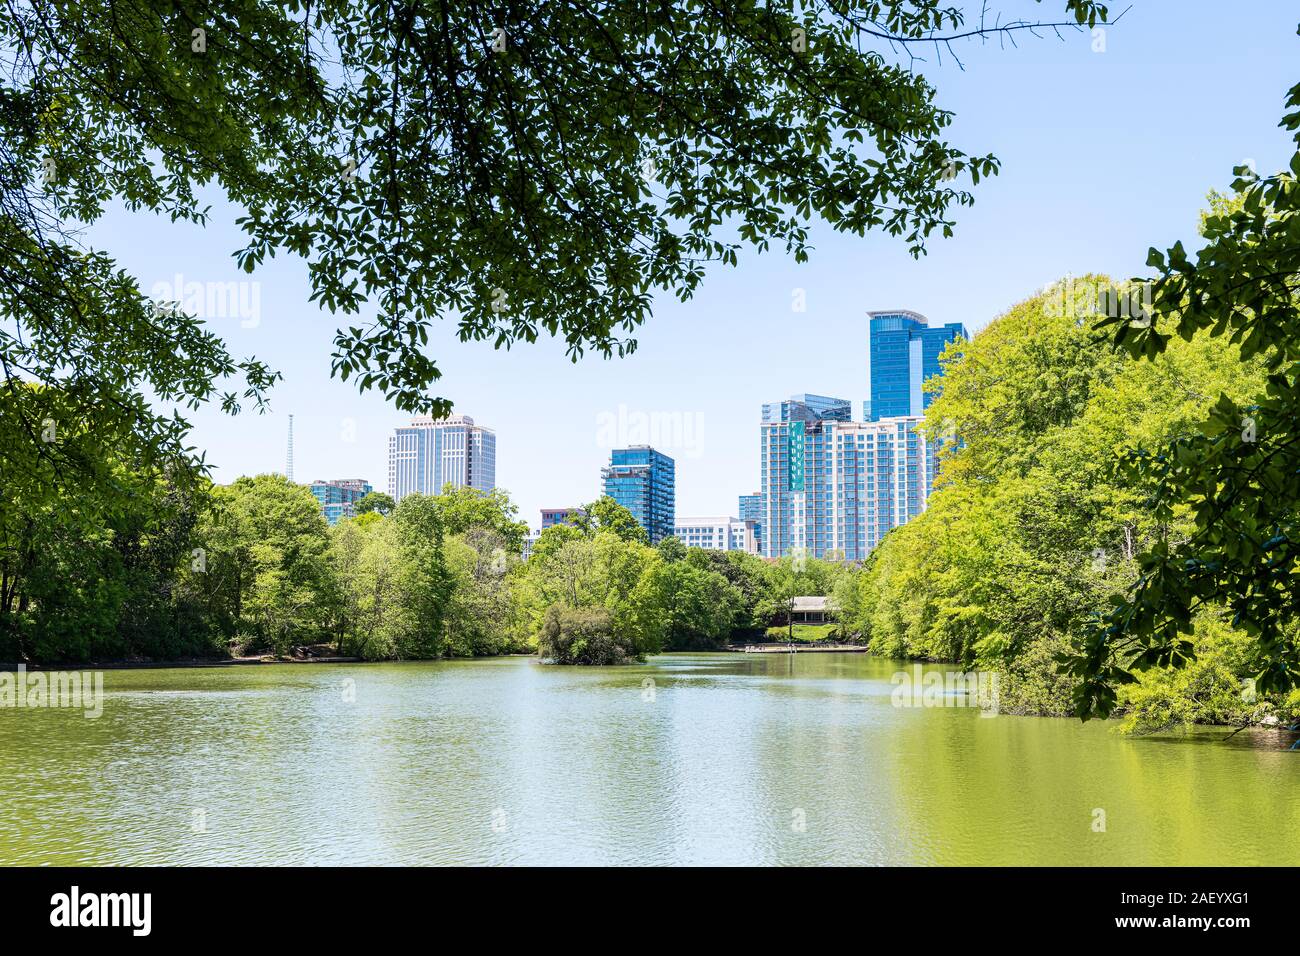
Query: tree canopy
x,y
376,501
1031,528
1224,489
538,168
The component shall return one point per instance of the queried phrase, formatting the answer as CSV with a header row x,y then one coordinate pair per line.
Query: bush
x,y
1211,689
1029,682
583,636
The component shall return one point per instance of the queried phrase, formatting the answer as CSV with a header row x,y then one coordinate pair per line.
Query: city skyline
x,y
864,477
427,453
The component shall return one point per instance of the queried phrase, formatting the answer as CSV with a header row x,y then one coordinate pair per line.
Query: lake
x,y
687,759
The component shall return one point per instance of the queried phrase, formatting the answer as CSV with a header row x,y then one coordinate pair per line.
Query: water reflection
x,y
720,759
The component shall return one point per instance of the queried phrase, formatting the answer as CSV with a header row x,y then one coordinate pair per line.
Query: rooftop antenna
x,y
288,458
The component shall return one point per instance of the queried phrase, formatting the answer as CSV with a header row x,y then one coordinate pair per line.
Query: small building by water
x,y
812,610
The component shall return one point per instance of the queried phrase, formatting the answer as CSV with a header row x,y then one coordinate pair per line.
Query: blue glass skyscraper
x,y
751,509
338,499
643,481
903,352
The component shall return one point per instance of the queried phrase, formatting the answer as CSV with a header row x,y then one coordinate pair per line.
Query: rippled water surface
x,y
726,758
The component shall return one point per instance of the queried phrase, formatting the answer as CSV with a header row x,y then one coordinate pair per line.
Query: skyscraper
x,y
834,487
903,351
792,431
795,510
430,453
643,481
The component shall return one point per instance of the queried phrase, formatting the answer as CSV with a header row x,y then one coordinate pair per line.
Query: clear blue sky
x,y
1104,154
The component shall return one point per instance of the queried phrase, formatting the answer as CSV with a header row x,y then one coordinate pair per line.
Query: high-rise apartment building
x,y
903,351
430,453
643,481
338,498
833,488
795,511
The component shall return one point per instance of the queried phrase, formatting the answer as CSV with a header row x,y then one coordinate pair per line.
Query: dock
x,y
801,649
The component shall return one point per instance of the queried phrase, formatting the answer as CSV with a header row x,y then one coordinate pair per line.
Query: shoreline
x,y
12,666
182,663
195,663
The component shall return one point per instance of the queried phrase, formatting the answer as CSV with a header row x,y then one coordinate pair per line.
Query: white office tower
x,y
430,453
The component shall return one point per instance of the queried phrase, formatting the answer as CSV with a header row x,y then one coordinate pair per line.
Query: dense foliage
x,y
585,635
252,568
667,597
91,576
1032,527
1226,489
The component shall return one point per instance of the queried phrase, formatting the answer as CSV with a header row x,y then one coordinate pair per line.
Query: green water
x,y
728,758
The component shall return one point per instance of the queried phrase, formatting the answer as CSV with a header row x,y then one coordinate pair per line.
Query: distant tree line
x,y
183,568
